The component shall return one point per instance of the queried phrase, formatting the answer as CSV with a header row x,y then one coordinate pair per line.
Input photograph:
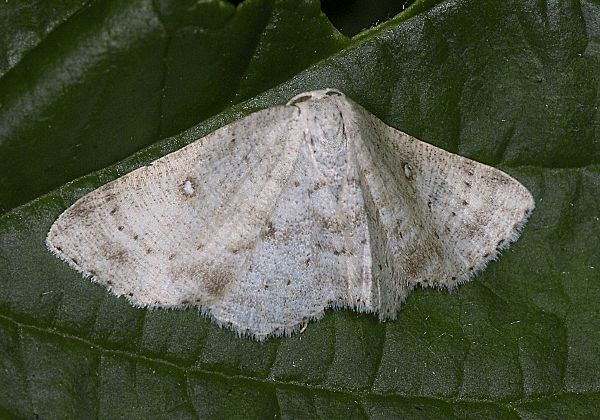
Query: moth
x,y
268,221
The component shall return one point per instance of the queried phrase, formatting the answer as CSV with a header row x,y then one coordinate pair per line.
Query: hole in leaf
x,y
353,16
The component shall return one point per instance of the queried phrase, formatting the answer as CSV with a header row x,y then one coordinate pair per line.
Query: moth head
x,y
323,120
314,95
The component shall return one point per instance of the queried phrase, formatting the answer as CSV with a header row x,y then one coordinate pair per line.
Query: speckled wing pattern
x,y
268,221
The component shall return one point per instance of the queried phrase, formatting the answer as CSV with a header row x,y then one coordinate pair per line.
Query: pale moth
x,y
268,221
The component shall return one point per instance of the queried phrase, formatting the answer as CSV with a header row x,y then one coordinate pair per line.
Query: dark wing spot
x,y
270,230
119,255
216,282
340,252
110,196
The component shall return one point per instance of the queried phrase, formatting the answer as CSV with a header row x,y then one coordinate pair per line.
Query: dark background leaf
x,y
27,23
353,16
512,84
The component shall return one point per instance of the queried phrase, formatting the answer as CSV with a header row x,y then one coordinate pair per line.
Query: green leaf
x,y
512,84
